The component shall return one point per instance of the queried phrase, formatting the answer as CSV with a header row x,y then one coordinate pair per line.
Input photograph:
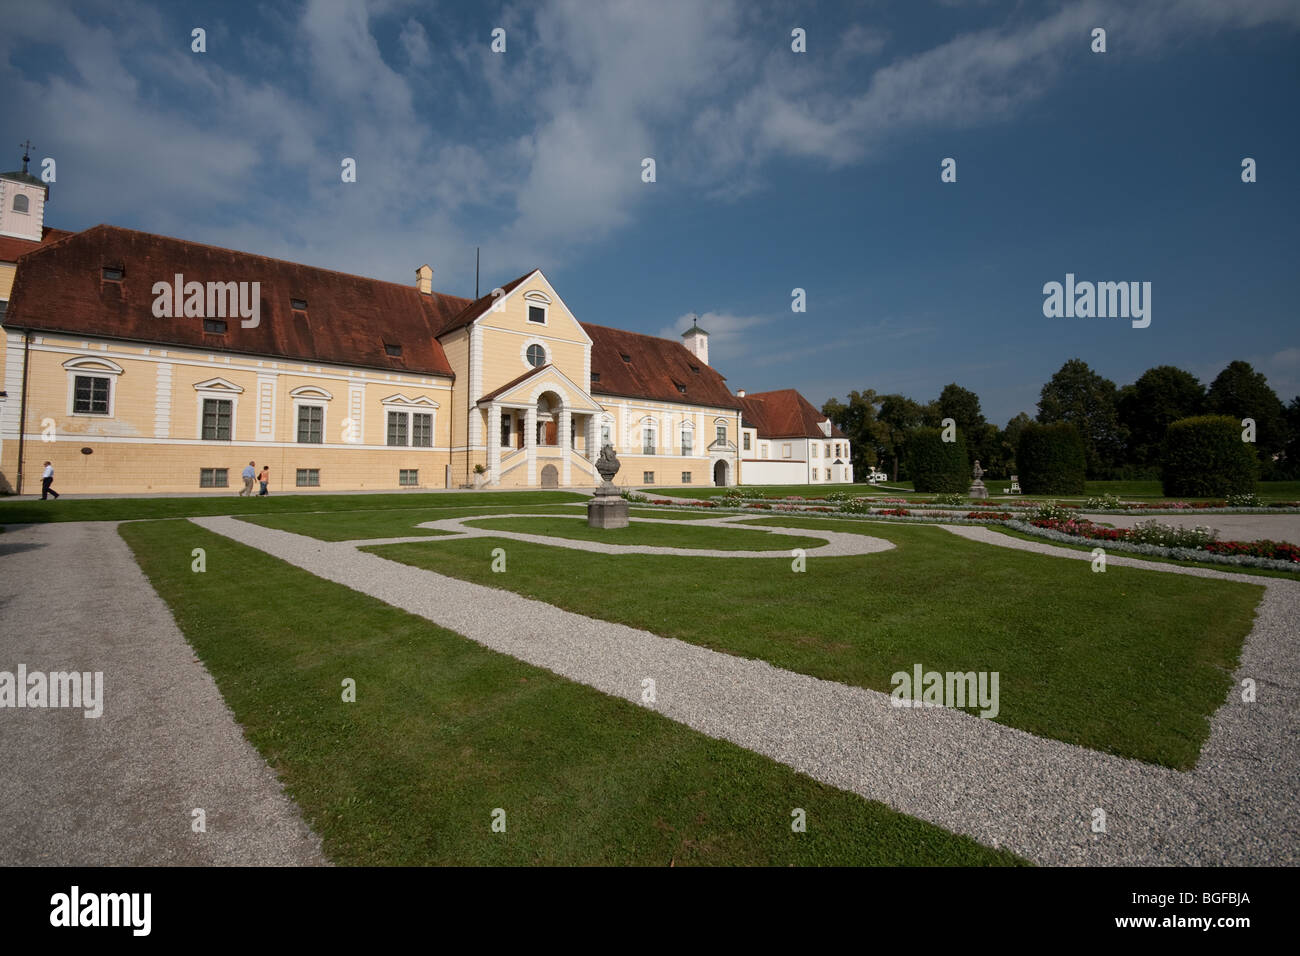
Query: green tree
x,y
1078,395
897,416
1241,392
1161,396
1291,460
1009,441
963,407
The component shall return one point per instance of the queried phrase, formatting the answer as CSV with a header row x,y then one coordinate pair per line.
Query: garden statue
x,y
977,489
607,508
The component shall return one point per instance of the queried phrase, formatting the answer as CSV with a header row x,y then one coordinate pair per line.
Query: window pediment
x,y
311,391
218,385
92,363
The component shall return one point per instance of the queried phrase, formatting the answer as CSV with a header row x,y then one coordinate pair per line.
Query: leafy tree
x,y
1008,440
1160,397
1241,392
897,416
963,407
1078,395
1291,461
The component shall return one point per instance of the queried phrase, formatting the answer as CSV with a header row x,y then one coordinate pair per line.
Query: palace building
x,y
134,363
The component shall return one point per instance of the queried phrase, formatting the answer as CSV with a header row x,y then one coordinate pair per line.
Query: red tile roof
x,y
784,414
348,320
656,368
11,248
479,306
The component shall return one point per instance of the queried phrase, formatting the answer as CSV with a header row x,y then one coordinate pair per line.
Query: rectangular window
x,y
746,440
112,274
817,450
764,449
828,474
595,377
397,423
216,419
648,442
308,478
299,304
722,434
311,424
537,314
686,477
505,430
421,430
647,477
214,326
213,478
90,395
393,350
408,477
687,443
785,450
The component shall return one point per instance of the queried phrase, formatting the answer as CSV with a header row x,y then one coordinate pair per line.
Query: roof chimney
x,y
424,279
696,341
740,393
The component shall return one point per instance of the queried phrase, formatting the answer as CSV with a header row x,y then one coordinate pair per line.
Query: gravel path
x,y
1004,787
118,790
838,543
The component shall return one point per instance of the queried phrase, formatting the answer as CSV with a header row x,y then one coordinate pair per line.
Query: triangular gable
x,y
483,307
526,389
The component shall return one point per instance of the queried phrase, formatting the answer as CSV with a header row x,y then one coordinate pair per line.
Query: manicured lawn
x,y
656,535
21,511
444,731
1132,662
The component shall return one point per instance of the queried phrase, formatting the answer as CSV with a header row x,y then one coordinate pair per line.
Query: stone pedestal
x,y
607,510
977,491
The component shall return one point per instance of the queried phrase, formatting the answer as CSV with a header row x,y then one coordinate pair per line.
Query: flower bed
x,y
895,512
989,516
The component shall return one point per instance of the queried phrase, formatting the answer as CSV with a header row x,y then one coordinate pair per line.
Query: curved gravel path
x,y
118,790
837,543
1001,786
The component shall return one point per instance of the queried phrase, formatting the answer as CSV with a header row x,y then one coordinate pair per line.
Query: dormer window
x,y
20,203
695,369
299,305
214,326
625,357
595,376
680,387
112,273
394,350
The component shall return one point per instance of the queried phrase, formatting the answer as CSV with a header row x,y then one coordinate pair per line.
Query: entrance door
x,y
720,474
550,477
552,432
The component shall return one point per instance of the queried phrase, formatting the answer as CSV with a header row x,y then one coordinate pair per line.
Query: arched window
x,y
20,203
536,356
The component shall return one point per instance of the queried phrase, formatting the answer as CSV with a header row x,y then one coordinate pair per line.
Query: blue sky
x,y
775,170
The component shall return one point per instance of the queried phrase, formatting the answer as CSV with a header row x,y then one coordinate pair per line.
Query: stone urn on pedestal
x,y
977,489
607,509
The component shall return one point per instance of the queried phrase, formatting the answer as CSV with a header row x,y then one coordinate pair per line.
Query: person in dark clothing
x,y
47,480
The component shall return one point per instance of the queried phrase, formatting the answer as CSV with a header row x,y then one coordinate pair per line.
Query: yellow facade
x,y
151,436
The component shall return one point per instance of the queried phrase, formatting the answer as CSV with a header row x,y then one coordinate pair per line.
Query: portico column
x,y
530,442
566,422
593,436
494,442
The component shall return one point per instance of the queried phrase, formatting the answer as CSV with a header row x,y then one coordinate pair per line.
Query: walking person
x,y
248,474
47,480
263,478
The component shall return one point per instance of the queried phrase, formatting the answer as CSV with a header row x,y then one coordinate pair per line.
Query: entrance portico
x,y
540,427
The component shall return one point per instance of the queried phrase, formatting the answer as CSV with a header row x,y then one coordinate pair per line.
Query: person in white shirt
x,y
249,473
47,479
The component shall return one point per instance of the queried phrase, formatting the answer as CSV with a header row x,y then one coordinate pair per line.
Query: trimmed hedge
x,y
1050,460
1204,457
936,465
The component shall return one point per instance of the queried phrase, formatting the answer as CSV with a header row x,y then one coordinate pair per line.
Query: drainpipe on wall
x,y
22,410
